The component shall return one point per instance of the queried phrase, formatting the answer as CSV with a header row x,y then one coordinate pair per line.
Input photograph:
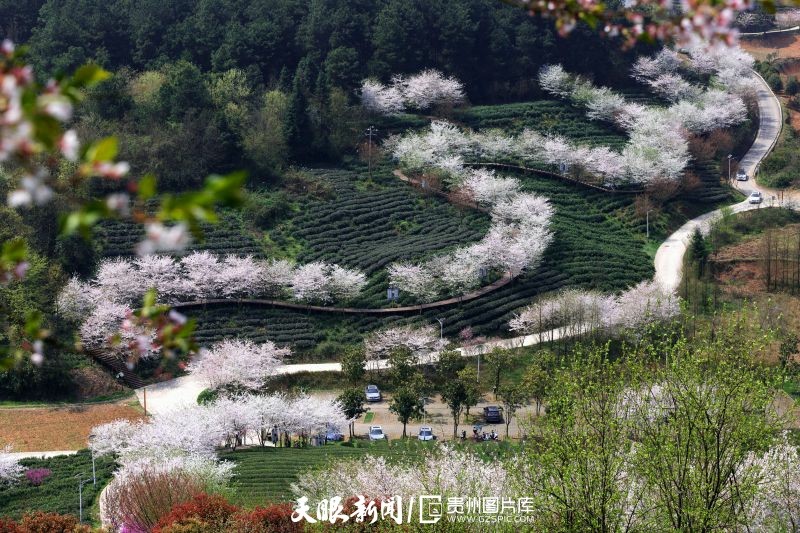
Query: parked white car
x,y
376,433
741,175
426,433
755,197
373,393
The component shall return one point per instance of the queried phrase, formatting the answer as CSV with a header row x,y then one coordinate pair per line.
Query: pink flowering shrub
x,y
36,476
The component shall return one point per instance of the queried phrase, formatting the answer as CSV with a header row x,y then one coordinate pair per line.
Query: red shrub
x,y
204,509
273,519
40,522
9,526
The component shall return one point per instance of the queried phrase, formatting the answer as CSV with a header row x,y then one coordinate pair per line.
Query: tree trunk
x,y
404,429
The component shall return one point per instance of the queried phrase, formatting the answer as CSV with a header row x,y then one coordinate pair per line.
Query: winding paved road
x,y
669,257
183,391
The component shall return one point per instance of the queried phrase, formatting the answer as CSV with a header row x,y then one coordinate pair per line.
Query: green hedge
x,y
59,492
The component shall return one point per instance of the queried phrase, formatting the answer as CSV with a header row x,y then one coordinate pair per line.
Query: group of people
x,y
480,436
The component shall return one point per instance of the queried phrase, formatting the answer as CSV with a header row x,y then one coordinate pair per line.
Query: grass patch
x,y
369,417
59,492
779,169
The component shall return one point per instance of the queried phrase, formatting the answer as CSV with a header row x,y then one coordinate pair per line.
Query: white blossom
x,y
10,469
554,80
429,88
112,437
447,472
417,280
380,99
420,340
234,361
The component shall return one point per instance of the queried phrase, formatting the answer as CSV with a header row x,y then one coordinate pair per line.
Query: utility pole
x,y
81,483
370,132
648,224
441,328
730,156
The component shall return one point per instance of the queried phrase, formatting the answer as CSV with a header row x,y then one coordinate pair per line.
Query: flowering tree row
x,y
425,90
446,472
105,304
516,240
202,275
229,421
577,311
657,134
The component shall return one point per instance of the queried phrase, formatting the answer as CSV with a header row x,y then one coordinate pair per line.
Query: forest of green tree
x,y
212,85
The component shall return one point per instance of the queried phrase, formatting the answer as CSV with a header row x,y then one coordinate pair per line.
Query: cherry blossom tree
x,y
417,280
268,411
378,98
200,274
119,281
643,303
235,417
103,323
159,272
276,276
776,504
429,88
420,340
674,87
323,282
112,437
575,312
344,283
555,80
488,189
664,62
239,276
10,469
234,361
77,299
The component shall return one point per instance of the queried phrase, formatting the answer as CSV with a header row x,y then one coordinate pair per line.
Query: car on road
x,y
492,414
426,433
755,197
741,175
376,433
373,393
334,435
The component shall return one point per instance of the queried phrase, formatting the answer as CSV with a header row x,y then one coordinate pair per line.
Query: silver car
x,y
376,433
741,175
373,393
755,197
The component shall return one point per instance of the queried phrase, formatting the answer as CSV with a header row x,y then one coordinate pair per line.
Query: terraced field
x,y
369,224
265,475
229,236
545,116
597,245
